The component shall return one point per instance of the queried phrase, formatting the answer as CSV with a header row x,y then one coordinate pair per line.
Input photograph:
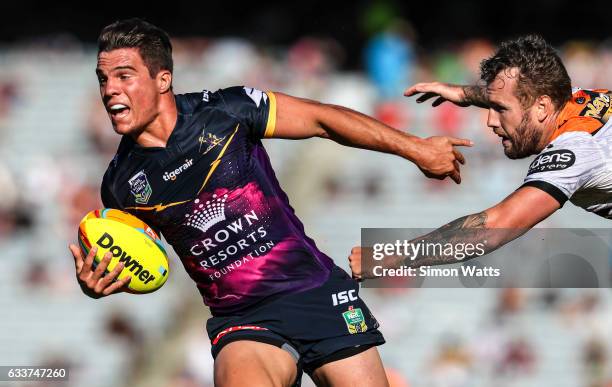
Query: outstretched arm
x,y
460,95
498,225
298,118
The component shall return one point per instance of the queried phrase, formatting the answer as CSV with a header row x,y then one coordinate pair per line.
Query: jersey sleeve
x,y
563,168
256,108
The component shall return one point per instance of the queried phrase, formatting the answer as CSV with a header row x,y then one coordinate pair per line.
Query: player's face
x,y
514,123
129,93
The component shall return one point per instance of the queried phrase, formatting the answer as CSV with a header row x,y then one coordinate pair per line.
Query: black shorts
x,y
317,326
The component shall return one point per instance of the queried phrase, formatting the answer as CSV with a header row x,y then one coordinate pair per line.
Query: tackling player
x,y
534,110
193,167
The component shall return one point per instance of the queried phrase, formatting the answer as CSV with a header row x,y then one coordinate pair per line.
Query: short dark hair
x,y
541,71
152,42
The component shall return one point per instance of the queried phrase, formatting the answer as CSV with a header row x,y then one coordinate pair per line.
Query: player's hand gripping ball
x,y
130,241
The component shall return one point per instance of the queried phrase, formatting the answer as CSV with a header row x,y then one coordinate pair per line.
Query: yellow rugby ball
x,y
131,241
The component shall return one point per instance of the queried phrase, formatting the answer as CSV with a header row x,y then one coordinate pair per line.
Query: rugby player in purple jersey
x,y
193,167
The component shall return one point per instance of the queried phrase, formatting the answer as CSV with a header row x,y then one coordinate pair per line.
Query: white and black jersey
x,y
577,164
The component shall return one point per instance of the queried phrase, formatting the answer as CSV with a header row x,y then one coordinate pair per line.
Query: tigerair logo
x,y
207,214
173,174
106,241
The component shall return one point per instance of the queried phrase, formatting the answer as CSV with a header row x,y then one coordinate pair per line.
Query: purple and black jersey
x,y
214,196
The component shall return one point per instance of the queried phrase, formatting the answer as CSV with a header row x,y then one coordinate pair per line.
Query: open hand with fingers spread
x,y
443,91
460,95
95,283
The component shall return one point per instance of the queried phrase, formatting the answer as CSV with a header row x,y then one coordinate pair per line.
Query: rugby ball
x,y
130,241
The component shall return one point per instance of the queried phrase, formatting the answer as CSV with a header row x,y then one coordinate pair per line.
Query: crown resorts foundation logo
x,y
207,214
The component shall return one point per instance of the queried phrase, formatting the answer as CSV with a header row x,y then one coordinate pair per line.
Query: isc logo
x,y
344,297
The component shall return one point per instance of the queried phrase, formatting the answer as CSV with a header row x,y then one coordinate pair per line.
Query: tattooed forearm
x,y
470,229
465,222
476,95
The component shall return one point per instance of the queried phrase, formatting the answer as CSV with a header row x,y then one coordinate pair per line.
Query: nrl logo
x,y
355,322
209,141
140,187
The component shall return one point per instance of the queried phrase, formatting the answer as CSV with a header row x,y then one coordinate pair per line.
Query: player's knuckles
x,y
103,263
445,148
91,255
102,284
99,270
108,291
84,277
98,288
112,276
118,269
111,282
89,280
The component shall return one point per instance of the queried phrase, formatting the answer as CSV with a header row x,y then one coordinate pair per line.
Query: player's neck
x,y
156,134
550,126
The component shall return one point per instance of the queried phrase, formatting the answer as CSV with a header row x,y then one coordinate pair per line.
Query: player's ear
x,y
544,107
164,81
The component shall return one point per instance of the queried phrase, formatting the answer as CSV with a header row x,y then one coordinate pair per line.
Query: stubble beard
x,y
525,140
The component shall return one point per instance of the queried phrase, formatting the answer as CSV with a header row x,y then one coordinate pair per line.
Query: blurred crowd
x,y
517,338
312,68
